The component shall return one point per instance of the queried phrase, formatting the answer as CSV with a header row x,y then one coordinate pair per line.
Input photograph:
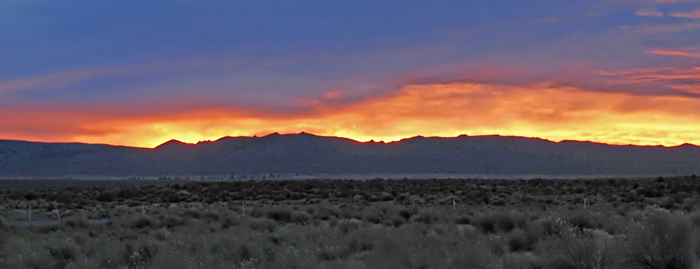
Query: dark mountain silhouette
x,y
306,153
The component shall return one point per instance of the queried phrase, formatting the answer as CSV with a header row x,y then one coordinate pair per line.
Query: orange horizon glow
x,y
554,113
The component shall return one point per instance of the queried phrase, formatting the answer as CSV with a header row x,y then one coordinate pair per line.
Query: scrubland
x,y
618,223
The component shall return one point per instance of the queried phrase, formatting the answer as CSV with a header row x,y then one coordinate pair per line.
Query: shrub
x,y
30,195
403,197
280,215
385,196
518,241
357,245
141,222
663,240
191,213
544,227
262,225
230,222
522,260
581,222
326,212
500,221
667,202
329,254
3,224
301,217
77,222
106,197
345,226
406,213
65,251
577,250
140,254
161,235
172,222
695,218
372,216
46,229
425,217
211,216
396,221
243,253
174,198
476,256
497,201
463,220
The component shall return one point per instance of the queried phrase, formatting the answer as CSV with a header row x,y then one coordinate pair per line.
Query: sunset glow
x,y
619,72
554,113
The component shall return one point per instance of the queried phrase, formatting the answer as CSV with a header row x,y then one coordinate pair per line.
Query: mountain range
x,y
308,154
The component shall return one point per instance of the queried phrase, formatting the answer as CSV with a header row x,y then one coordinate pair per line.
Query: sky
x,y
139,73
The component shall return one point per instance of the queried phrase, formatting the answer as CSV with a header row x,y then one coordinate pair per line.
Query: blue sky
x,y
272,57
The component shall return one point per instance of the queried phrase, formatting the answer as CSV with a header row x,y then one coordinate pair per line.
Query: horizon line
x,y
356,140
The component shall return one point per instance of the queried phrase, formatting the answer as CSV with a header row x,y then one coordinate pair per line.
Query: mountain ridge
x,y
308,153
370,141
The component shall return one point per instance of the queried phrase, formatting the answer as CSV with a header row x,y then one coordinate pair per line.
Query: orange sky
x,y
620,72
536,110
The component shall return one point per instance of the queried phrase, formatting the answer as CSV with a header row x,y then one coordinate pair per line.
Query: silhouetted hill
x,y
306,153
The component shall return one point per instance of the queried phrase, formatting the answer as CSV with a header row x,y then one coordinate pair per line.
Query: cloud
x,y
673,1
653,2
435,109
648,12
660,28
653,81
48,81
556,19
653,75
695,14
278,79
72,77
669,52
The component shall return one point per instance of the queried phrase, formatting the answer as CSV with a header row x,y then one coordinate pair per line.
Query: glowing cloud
x,y
555,113
649,13
654,81
684,53
695,14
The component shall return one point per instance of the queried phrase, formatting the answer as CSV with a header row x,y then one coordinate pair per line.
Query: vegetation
x,y
621,223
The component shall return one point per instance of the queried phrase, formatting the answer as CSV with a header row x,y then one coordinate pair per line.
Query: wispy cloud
x,y
48,81
684,81
673,1
71,77
557,19
660,28
649,12
670,52
653,2
695,14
